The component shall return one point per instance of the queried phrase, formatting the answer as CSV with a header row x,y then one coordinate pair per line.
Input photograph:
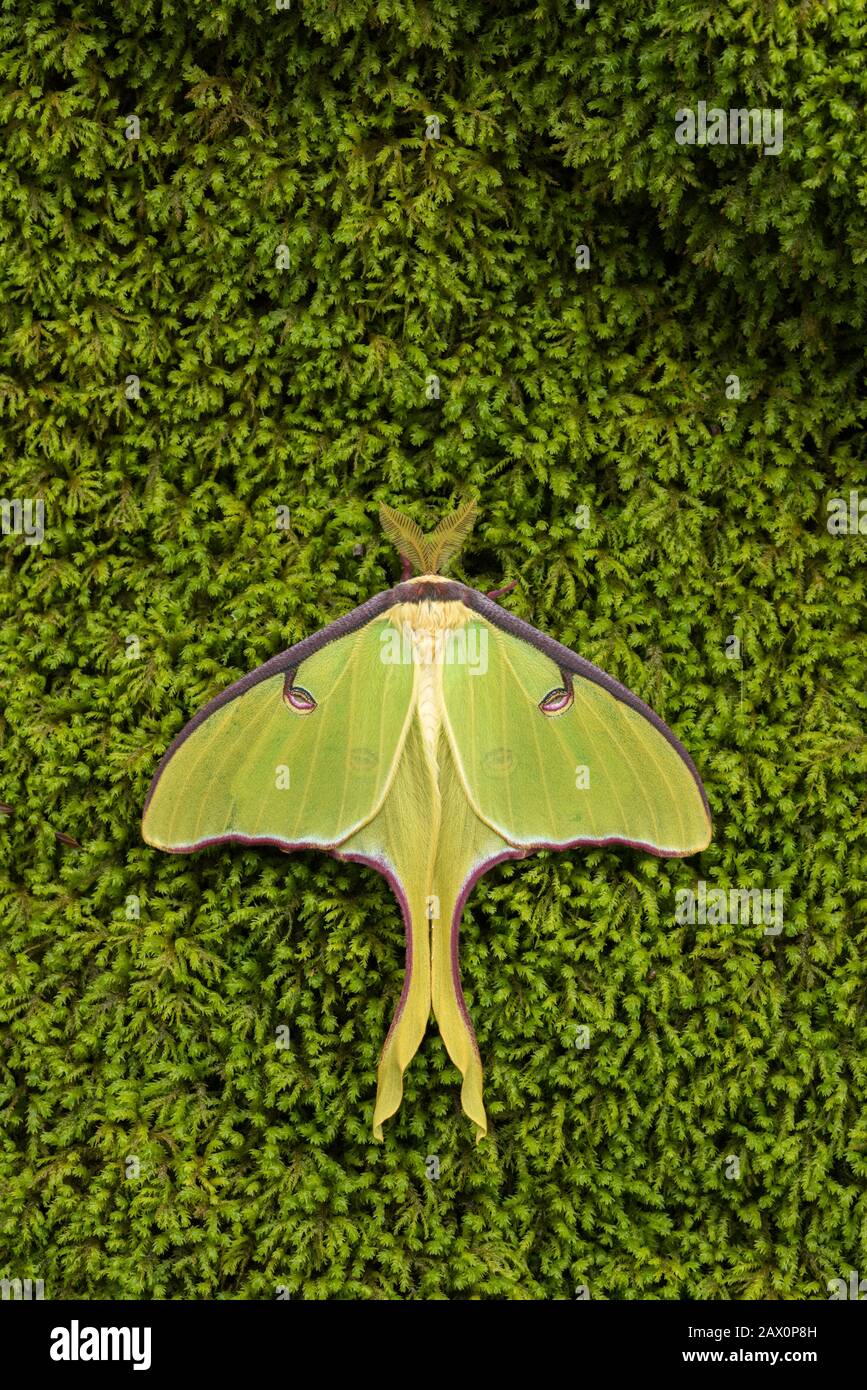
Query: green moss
x,y
305,387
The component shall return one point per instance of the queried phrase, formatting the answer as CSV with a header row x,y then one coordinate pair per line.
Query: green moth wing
x,y
430,846
541,749
298,755
554,754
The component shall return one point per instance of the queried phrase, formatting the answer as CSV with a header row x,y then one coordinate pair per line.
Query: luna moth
x,y
430,733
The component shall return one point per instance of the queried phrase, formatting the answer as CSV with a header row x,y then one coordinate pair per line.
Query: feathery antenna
x,y
448,538
428,554
406,536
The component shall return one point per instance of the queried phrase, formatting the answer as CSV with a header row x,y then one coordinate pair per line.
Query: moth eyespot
x,y
556,701
299,699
